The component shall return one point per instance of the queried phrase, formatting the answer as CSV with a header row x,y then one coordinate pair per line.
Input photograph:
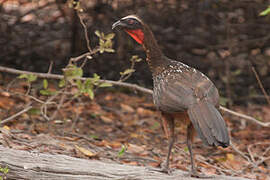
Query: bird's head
x,y
133,26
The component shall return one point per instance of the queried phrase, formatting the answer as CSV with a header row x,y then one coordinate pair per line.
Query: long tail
x,y
209,124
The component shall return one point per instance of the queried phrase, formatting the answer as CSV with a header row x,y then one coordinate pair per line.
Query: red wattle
x,y
136,34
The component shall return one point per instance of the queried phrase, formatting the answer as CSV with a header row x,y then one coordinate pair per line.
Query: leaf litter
x,y
125,128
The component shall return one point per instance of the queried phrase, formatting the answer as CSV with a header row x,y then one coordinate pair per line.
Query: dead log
x,y
34,165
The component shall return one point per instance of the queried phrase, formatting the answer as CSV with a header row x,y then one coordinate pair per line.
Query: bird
x,y
180,93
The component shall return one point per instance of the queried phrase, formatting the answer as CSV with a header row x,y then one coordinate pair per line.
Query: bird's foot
x,y
195,173
163,169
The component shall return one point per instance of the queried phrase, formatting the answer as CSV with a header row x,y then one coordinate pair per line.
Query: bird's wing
x,y
179,90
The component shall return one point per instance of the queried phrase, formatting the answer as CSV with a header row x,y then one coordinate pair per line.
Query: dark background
x,y
221,38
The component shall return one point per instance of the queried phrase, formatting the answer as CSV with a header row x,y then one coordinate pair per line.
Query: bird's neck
x,y
155,58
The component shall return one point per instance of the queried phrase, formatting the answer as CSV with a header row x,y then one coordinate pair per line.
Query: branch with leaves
x,y
128,85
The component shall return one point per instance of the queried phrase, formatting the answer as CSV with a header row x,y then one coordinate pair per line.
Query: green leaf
x,y
223,101
105,85
93,136
155,126
80,86
135,58
101,50
72,71
34,111
90,93
265,12
97,33
88,83
94,115
4,170
32,78
22,76
45,83
109,50
122,151
108,44
95,78
29,77
237,72
62,83
47,92
109,36
127,71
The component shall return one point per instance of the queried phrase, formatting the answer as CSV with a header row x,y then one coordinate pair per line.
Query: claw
x,y
195,173
162,170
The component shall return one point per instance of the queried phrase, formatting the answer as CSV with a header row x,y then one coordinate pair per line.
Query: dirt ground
x,y
125,128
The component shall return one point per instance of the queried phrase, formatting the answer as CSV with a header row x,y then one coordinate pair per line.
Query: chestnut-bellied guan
x,y
180,92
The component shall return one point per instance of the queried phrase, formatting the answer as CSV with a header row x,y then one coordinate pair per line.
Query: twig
x,y
56,76
250,153
63,97
75,59
245,117
128,85
85,33
222,170
125,77
29,96
241,153
79,57
43,108
16,115
256,144
75,121
262,160
50,67
260,84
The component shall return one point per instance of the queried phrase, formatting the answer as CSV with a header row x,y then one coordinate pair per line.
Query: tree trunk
x,y
33,165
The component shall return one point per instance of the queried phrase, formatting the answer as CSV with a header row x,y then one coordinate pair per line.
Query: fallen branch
x,y
56,76
28,165
260,84
16,115
251,119
128,85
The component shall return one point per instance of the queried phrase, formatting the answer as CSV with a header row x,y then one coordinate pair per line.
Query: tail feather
x,y
209,124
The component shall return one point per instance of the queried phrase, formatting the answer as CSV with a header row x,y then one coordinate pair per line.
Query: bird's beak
x,y
118,23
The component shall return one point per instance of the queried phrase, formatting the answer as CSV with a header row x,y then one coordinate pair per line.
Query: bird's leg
x,y
167,120
167,123
190,132
190,136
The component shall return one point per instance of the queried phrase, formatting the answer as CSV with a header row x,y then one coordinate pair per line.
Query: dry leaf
x,y
108,97
134,135
86,151
6,94
230,156
6,103
127,108
6,127
106,119
133,148
144,112
115,145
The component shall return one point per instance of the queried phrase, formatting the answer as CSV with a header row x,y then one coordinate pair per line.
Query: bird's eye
x,y
130,21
